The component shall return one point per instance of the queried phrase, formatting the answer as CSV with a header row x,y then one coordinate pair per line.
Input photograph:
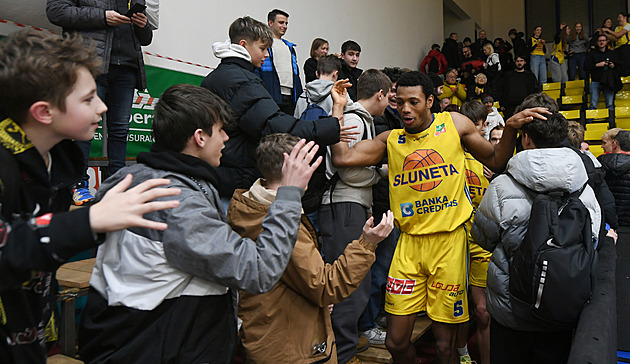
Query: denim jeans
x,y
539,68
609,96
115,88
380,272
577,60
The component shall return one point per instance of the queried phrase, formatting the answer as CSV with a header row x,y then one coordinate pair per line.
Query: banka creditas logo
x,y
424,170
400,286
406,209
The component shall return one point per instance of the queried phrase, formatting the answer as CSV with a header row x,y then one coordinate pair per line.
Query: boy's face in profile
x,y
257,50
351,58
480,125
83,110
214,144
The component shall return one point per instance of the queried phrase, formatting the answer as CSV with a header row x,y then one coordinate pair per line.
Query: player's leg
x,y
398,341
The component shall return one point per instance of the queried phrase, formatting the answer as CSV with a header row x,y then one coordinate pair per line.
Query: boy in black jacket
x,y
48,95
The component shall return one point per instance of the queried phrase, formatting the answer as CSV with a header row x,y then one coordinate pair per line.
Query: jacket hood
x,y
616,164
356,108
548,169
318,90
168,160
227,49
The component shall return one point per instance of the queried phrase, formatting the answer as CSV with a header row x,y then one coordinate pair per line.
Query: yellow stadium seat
x,y
571,114
597,127
622,112
574,84
623,123
569,100
554,94
551,86
574,91
593,134
625,79
597,114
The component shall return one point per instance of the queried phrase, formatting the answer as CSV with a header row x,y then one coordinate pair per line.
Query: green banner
x,y
140,122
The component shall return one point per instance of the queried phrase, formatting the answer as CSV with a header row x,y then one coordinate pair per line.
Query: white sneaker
x,y
375,336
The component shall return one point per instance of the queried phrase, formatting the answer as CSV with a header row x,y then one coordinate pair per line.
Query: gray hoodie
x,y
318,92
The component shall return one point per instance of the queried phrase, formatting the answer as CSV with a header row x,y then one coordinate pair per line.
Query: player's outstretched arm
x,y
495,157
297,169
122,208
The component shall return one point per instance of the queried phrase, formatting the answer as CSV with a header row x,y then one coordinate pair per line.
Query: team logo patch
x,y
406,209
400,286
439,129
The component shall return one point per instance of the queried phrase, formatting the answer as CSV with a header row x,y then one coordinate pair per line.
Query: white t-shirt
x,y
493,119
283,64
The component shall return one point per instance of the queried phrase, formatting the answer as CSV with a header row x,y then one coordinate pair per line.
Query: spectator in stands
x,y
537,49
578,44
557,62
438,89
479,88
118,39
493,118
518,43
495,134
601,63
350,52
452,89
318,91
257,114
319,48
503,48
434,61
575,139
295,314
179,308
466,56
517,85
608,140
450,50
607,26
617,167
477,47
501,224
280,71
622,43
493,69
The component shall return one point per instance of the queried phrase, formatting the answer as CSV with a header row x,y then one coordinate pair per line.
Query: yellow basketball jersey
x,y
622,40
475,180
427,178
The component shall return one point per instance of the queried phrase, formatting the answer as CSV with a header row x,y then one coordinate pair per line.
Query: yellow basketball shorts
x,y
479,260
429,272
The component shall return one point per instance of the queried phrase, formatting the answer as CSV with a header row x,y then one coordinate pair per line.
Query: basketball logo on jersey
x,y
439,129
474,184
423,170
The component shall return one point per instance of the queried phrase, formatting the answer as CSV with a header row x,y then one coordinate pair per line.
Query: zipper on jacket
x,y
541,284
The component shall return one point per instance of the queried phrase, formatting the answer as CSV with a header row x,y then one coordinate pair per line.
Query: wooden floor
x,y
379,354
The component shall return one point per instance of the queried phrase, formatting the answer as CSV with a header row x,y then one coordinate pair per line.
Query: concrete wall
x,y
496,17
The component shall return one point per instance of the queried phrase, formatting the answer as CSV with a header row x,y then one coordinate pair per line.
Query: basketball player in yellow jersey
x,y
479,258
430,202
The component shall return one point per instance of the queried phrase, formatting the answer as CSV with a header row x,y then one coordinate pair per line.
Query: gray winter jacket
x,y
87,17
198,254
318,92
503,216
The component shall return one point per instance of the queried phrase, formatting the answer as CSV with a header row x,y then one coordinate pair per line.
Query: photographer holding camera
x,y
602,65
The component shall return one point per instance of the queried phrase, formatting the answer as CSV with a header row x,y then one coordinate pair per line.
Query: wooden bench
x,y
74,280
379,354
62,359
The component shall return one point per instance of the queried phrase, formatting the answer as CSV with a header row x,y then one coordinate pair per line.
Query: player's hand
x,y
297,169
139,19
516,121
114,18
122,208
339,92
346,134
375,234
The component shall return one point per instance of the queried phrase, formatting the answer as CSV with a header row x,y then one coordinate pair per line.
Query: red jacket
x,y
439,57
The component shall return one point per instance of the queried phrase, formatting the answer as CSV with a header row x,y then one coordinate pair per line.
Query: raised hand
x,y
297,169
122,208
375,234
516,121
